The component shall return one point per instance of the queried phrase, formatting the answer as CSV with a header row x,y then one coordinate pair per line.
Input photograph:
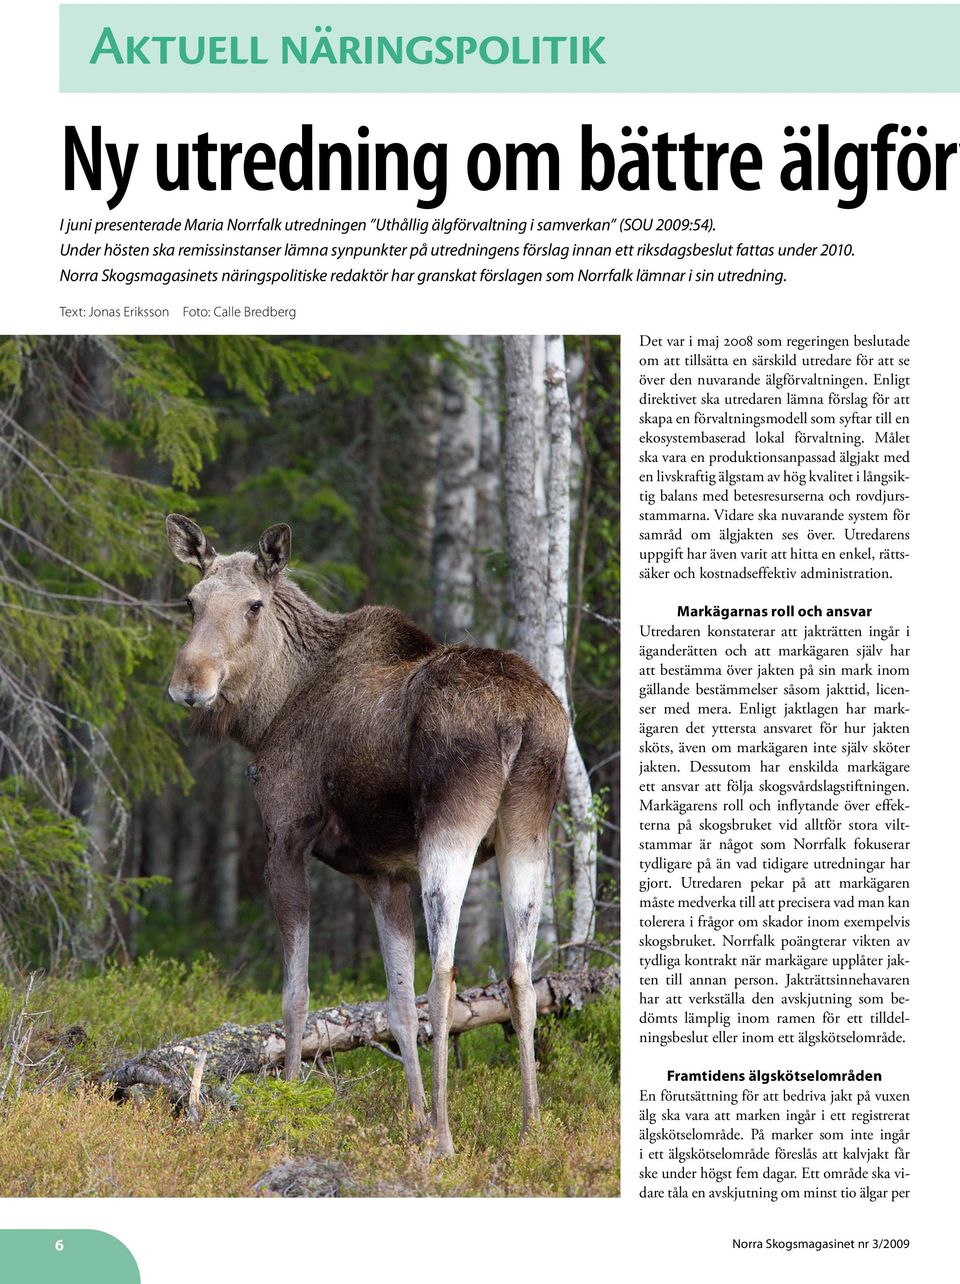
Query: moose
x,y
393,758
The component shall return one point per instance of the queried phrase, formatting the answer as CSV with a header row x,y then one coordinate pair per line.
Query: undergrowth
x,y
62,1135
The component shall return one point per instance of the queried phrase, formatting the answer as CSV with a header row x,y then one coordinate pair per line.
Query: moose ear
x,y
273,549
188,542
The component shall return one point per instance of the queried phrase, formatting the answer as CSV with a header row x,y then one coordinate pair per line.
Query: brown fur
x,y
369,739
363,728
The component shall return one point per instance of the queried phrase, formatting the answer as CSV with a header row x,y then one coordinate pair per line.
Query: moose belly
x,y
378,838
399,863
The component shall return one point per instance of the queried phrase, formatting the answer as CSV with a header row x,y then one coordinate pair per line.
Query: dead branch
x,y
231,1050
193,1103
16,1040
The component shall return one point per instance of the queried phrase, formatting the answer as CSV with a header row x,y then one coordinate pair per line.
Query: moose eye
x,y
188,604
255,608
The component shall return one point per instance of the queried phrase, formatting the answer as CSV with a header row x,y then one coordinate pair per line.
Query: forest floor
x,y
345,1132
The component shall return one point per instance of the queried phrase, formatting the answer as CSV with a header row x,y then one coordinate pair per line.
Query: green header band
x,y
65,1257
267,48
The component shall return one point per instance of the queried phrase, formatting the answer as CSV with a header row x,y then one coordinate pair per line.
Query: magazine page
x,y
334,835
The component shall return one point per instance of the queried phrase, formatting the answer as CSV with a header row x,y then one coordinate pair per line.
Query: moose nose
x,y
190,698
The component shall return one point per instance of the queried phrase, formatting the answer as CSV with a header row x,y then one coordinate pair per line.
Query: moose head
x,y
235,629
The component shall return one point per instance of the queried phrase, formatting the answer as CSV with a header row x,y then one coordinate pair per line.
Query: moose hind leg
x,y
287,880
523,867
446,859
394,917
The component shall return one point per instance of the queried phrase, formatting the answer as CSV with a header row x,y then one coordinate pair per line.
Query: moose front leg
x,y
287,881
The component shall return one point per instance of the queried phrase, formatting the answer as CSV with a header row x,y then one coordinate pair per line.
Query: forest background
x,y
471,481
387,457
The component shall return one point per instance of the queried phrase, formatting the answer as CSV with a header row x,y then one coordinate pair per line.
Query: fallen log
x,y
231,1050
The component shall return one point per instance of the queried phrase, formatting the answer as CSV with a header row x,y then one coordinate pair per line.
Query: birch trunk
x,y
489,604
558,524
454,575
541,435
455,506
527,570
481,921
520,468
579,792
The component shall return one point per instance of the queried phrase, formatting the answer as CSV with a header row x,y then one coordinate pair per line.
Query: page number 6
x,y
59,1246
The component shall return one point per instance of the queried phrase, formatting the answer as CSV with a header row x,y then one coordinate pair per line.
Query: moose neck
x,y
301,639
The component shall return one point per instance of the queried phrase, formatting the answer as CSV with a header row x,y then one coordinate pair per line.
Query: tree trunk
x,y
455,504
454,566
157,835
579,792
91,800
232,1049
527,571
488,614
558,523
520,466
481,908
191,825
370,520
541,436
226,855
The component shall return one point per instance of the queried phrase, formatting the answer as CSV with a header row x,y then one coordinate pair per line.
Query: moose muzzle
x,y
194,683
192,699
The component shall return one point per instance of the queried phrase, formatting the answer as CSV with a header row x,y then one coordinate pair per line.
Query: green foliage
x,y
253,365
345,463
86,639
590,1036
286,1111
150,1002
166,407
13,354
35,834
44,877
